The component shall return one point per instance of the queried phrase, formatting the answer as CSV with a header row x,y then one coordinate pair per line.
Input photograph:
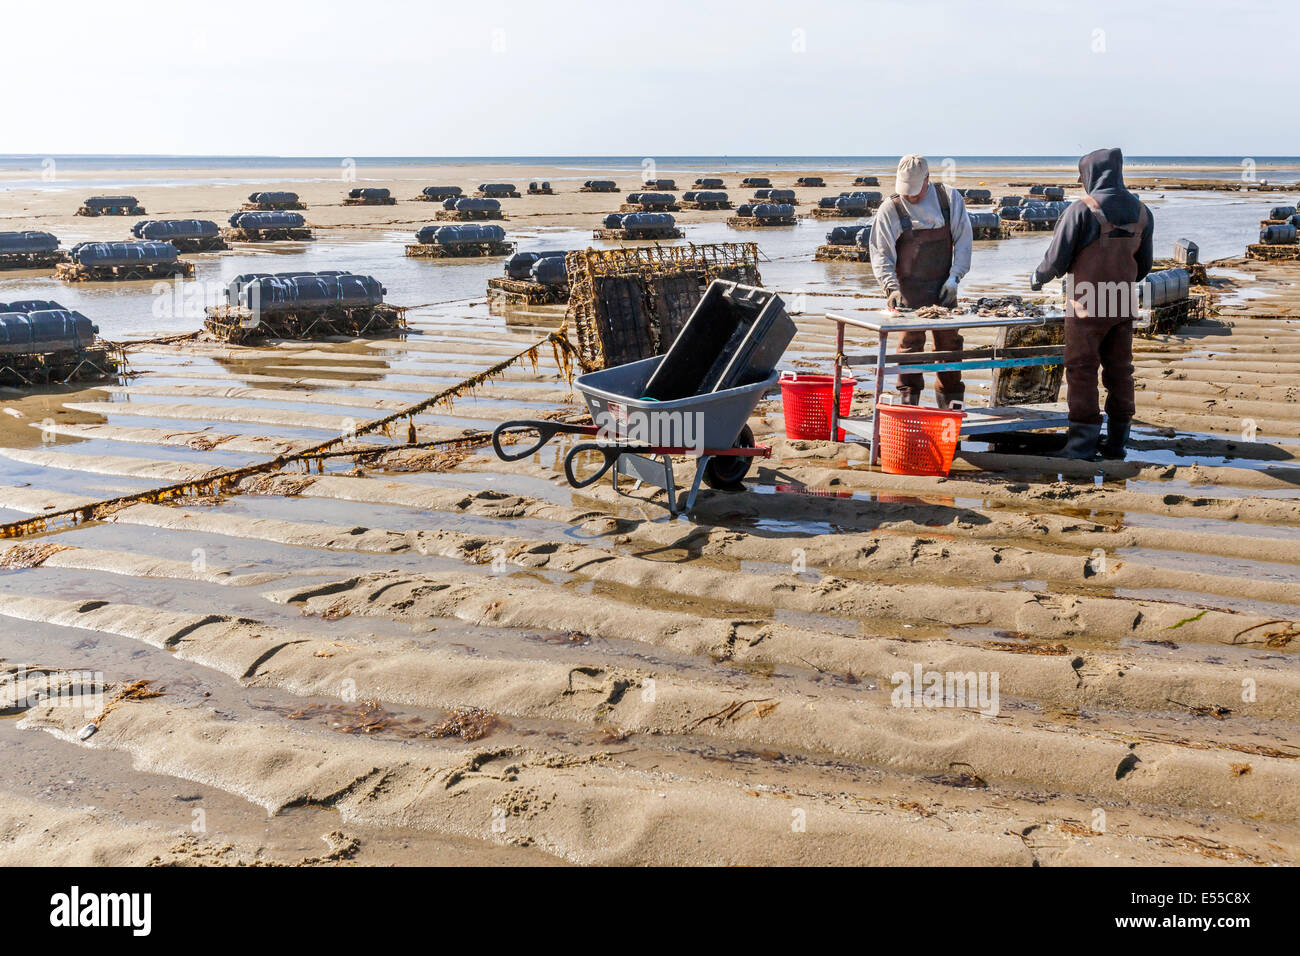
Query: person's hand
x,y
1035,283
948,294
895,301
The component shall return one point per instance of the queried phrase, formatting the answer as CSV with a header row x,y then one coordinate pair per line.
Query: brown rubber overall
x,y
923,261
1104,272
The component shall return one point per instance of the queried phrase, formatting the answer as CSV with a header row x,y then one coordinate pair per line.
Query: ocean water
x,y
1280,168
1221,223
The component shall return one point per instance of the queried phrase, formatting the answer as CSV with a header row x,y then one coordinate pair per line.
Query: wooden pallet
x,y
208,244
752,222
268,235
599,189
706,206
1018,225
980,233
539,191
111,211
525,291
480,194
641,207
390,201
834,253
98,363
271,206
76,272
468,215
460,250
32,260
1273,253
638,234
238,325
823,213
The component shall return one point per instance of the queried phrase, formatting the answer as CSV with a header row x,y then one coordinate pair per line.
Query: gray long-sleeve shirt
x,y
926,214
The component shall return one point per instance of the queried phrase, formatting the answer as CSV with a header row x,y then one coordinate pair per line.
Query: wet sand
x,y
447,658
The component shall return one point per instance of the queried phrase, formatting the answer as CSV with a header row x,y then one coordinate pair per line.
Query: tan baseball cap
x,y
912,171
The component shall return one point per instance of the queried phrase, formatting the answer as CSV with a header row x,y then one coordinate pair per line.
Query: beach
x,y
434,656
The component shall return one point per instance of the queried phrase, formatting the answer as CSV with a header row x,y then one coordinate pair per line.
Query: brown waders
x,y
1099,322
924,259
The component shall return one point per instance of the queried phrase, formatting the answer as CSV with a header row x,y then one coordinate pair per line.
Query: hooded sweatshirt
x,y
1102,175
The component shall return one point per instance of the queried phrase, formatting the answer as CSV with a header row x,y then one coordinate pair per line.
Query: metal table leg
x,y
835,386
882,350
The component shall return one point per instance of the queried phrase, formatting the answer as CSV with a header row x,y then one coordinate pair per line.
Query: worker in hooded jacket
x,y
1102,246
920,252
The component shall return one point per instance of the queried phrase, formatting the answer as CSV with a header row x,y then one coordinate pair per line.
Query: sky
x,y
667,77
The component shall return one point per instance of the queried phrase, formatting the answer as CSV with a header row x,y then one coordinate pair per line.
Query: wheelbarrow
x,y
638,436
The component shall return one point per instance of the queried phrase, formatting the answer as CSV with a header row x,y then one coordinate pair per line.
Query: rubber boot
x,y
1111,447
1081,442
909,396
945,399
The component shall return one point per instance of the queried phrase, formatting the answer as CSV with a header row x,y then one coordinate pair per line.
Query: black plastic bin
x,y
735,336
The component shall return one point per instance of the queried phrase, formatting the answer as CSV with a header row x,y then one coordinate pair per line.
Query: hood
x,y
1102,174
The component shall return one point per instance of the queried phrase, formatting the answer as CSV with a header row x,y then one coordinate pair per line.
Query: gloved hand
x,y
1035,283
948,294
895,301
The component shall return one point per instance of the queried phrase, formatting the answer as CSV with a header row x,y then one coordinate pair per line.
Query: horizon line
x,y
628,156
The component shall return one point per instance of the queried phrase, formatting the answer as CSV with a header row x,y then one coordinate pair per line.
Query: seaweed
x,y
137,690
23,556
467,723
1202,710
966,779
1017,647
729,712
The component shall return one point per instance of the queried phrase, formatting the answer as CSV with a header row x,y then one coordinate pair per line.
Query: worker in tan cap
x,y
920,252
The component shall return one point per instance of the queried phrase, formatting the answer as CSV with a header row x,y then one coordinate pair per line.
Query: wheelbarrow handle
x,y
611,453
545,432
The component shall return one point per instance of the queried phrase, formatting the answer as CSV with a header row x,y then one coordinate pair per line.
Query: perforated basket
x,y
806,402
916,440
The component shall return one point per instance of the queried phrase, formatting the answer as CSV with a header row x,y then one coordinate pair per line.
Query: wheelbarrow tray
x,y
615,398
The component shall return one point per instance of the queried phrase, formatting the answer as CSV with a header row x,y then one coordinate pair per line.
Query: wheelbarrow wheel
x,y
726,472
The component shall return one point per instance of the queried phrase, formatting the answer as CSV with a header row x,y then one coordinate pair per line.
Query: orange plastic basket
x,y
917,441
806,402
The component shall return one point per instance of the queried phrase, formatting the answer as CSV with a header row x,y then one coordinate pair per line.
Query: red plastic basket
x,y
806,403
916,440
